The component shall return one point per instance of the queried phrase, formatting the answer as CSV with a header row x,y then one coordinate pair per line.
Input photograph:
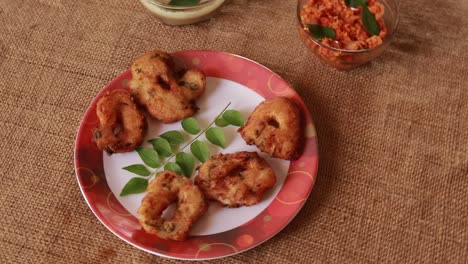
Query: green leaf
x,y
216,136
149,156
233,117
320,32
186,163
369,21
137,169
134,185
173,167
221,122
200,150
355,3
173,137
191,125
184,2
162,146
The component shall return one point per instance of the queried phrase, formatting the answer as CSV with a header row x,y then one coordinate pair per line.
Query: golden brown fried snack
x,y
167,95
235,179
276,128
122,126
167,188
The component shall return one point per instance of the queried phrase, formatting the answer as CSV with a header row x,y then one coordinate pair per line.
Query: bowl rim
x,y
389,37
166,6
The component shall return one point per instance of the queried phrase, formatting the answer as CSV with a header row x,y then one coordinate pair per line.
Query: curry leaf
x,y
174,137
369,21
184,2
355,3
186,163
134,185
320,32
191,125
221,122
216,136
200,150
149,156
173,167
137,169
162,146
233,117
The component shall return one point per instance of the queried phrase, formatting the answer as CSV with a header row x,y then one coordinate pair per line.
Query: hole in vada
x,y
97,134
272,122
161,82
118,128
169,213
193,86
237,172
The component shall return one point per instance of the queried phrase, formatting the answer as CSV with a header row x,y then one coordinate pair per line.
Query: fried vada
x,y
167,188
235,179
276,128
122,126
168,95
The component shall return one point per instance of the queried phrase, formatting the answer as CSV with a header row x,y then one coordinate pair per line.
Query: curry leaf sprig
x,y
161,155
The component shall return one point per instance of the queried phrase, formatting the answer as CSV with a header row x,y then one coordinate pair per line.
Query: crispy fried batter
x,y
167,95
275,127
167,188
235,179
122,126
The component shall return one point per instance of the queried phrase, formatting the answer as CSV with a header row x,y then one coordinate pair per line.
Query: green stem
x,y
191,141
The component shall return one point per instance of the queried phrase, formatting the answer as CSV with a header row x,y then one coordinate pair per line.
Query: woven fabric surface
x,y
392,185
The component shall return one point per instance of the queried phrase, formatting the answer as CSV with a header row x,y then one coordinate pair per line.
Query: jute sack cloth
x,y
393,179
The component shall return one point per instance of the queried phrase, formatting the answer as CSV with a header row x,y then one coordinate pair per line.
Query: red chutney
x,y
346,21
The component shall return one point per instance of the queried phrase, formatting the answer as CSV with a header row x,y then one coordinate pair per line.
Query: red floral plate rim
x,y
284,207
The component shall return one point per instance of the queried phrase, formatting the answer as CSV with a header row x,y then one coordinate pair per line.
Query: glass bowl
x,y
182,15
344,59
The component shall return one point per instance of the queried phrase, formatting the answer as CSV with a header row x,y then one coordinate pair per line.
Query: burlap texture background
x,y
393,178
